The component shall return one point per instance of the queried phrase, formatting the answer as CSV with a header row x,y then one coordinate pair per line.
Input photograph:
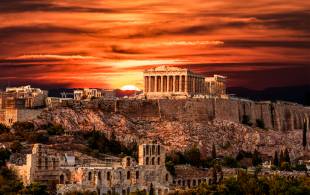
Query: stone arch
x,y
128,174
99,175
108,176
62,179
127,161
147,161
89,176
137,175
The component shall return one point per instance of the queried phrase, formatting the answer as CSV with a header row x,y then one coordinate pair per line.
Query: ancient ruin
x,y
167,81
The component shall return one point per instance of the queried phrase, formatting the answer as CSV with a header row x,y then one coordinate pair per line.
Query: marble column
x,y
162,83
186,83
155,87
173,83
150,84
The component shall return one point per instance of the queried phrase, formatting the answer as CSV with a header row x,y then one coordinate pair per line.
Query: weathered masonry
x,y
168,81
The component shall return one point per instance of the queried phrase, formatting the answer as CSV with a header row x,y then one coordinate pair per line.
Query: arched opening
x,y
167,177
128,162
158,149
120,175
147,161
137,175
99,175
189,183
158,160
62,179
128,174
153,150
153,161
194,182
147,150
89,176
108,176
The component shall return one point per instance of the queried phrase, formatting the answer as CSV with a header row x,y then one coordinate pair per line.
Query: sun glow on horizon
x,y
130,88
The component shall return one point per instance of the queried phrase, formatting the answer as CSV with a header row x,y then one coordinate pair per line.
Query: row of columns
x,y
174,83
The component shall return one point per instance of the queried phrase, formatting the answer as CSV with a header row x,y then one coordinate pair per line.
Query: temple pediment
x,y
165,68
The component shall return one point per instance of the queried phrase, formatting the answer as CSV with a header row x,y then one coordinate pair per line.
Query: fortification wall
x,y
10,116
279,115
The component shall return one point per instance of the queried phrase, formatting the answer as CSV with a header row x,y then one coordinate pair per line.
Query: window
x,y
153,150
153,161
167,177
137,174
147,150
108,176
62,179
128,174
89,176
147,161
158,160
128,162
158,150
99,175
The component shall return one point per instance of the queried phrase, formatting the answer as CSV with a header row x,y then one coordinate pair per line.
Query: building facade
x,y
168,81
109,176
172,81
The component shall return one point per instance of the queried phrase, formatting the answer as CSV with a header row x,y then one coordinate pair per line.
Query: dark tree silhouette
x,y
304,135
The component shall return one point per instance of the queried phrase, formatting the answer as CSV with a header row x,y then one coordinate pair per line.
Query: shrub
x,y
260,123
170,167
54,129
246,120
4,128
16,146
230,162
285,166
23,126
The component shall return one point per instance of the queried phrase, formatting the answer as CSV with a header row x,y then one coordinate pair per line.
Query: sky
x,y
107,43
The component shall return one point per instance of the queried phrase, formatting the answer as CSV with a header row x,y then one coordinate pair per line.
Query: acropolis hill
x,y
192,109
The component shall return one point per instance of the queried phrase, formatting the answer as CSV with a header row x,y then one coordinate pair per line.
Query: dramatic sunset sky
x,y
108,43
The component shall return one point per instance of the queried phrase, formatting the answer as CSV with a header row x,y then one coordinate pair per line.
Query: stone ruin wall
x,y
280,115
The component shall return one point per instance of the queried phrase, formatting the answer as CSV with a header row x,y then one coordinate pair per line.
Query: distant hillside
x,y
299,94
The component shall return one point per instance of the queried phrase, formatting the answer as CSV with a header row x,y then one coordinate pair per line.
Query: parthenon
x,y
167,81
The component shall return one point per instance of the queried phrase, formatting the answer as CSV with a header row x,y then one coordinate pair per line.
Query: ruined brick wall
x,y
10,116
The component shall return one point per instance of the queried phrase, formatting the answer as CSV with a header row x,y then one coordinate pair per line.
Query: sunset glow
x,y
107,44
130,88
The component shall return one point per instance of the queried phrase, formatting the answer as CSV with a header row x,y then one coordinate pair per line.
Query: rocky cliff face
x,y
177,134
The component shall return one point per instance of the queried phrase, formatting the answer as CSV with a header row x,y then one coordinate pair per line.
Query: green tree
x,y
287,156
260,123
16,146
282,160
246,120
35,189
192,156
230,162
4,156
256,159
304,134
4,128
276,159
170,167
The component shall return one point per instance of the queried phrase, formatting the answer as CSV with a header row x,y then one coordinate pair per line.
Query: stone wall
x,y
10,116
275,115
279,115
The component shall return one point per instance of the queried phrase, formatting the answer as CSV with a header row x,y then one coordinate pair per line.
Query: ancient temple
x,y
172,81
